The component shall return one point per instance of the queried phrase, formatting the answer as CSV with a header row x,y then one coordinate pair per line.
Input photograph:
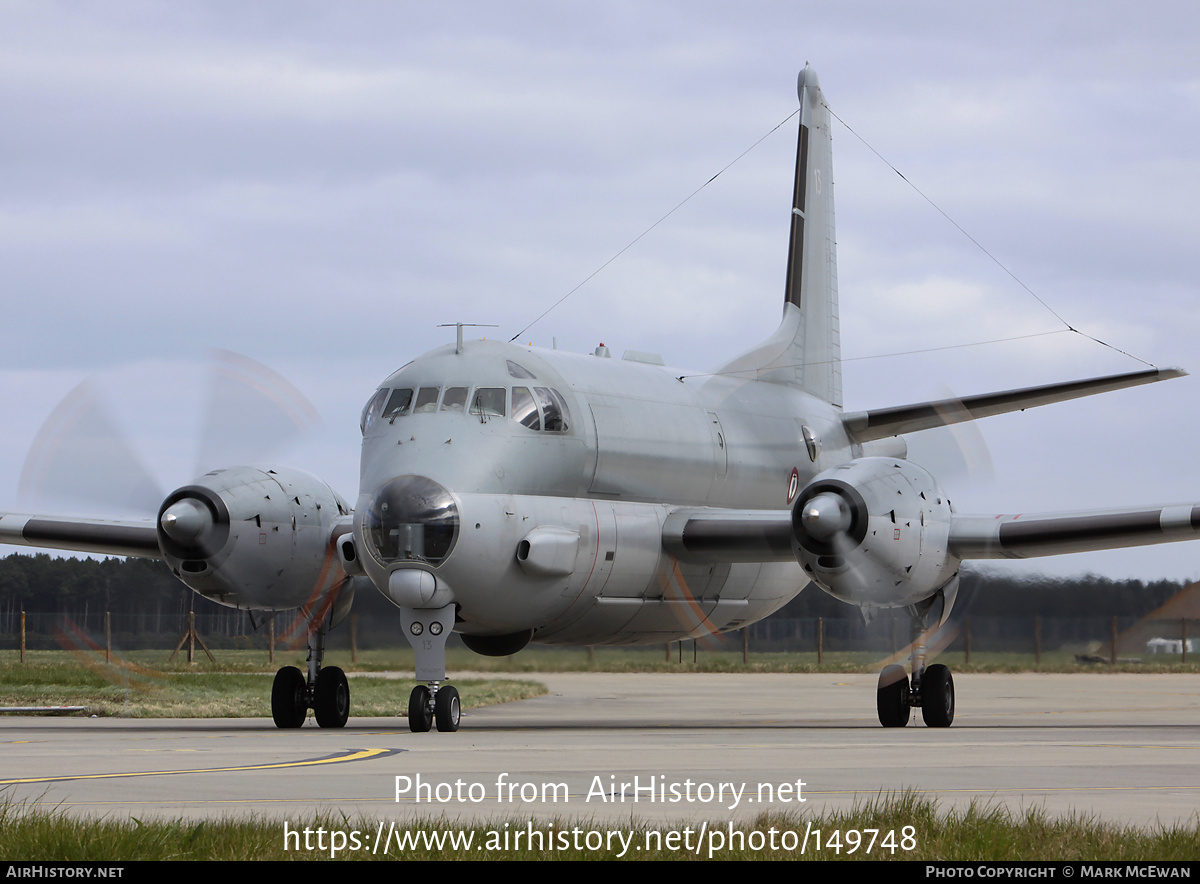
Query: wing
x,y
104,537
864,426
1025,536
695,534
700,535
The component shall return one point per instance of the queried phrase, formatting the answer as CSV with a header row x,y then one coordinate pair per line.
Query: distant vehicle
x,y
1167,646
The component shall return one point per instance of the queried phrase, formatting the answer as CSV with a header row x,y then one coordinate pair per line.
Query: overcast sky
x,y
319,185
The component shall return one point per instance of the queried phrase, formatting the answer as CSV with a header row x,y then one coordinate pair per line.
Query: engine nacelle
x,y
874,532
256,537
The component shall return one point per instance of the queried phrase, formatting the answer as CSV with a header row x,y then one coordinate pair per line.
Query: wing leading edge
x,y
102,536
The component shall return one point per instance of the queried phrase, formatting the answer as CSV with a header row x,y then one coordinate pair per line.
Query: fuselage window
x,y
427,398
524,409
372,409
488,401
455,399
554,409
518,371
398,403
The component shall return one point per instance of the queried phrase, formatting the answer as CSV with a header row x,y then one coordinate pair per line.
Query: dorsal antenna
x,y
458,348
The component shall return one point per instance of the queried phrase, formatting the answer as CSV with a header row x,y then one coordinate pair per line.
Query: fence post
x,y
820,640
22,635
1037,639
1113,630
107,637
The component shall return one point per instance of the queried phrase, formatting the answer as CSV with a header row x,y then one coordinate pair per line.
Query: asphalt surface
x,y
686,747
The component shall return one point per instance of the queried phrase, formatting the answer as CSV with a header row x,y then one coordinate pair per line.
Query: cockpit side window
x,y
372,409
398,403
427,398
455,399
524,409
489,401
554,409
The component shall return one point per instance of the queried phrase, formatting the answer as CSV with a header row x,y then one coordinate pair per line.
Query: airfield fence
x,y
884,635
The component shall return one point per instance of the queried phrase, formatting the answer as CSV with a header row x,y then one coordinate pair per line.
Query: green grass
x,y
148,684
981,832
136,690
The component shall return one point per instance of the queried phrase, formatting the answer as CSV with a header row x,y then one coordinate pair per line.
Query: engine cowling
x,y
874,532
256,537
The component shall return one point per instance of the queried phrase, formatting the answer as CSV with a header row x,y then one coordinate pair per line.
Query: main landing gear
x,y
325,690
432,703
931,689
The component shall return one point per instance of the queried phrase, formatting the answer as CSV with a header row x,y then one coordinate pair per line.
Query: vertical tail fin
x,y
805,351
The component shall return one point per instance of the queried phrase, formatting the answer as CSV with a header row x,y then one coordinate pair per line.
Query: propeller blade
x,y
80,458
955,451
251,412
82,462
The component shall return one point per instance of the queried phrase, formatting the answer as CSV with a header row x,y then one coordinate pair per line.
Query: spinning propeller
x,y
259,537
82,459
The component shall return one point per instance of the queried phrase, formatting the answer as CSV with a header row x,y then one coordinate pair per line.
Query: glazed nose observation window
x,y
411,518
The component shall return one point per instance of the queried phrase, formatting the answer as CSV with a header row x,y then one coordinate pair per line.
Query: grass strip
x,y
979,832
139,692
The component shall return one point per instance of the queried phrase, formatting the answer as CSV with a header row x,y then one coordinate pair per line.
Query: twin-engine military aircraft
x,y
513,495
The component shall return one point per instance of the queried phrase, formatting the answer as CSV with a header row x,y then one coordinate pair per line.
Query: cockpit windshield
x,y
541,409
398,403
489,402
371,410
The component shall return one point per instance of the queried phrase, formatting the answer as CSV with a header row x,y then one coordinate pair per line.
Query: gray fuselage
x,y
559,528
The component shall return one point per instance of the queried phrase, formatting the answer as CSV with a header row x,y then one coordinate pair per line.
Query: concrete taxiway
x,y
1119,747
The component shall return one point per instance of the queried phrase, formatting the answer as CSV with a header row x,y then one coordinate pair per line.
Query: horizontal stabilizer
x,y
1028,536
863,426
103,537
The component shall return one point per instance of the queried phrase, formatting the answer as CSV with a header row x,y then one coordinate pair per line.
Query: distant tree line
x,y
989,593
45,584
56,585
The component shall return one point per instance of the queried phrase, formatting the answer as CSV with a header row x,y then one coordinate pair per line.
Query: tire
x,y
447,710
937,696
289,703
891,699
331,699
420,717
